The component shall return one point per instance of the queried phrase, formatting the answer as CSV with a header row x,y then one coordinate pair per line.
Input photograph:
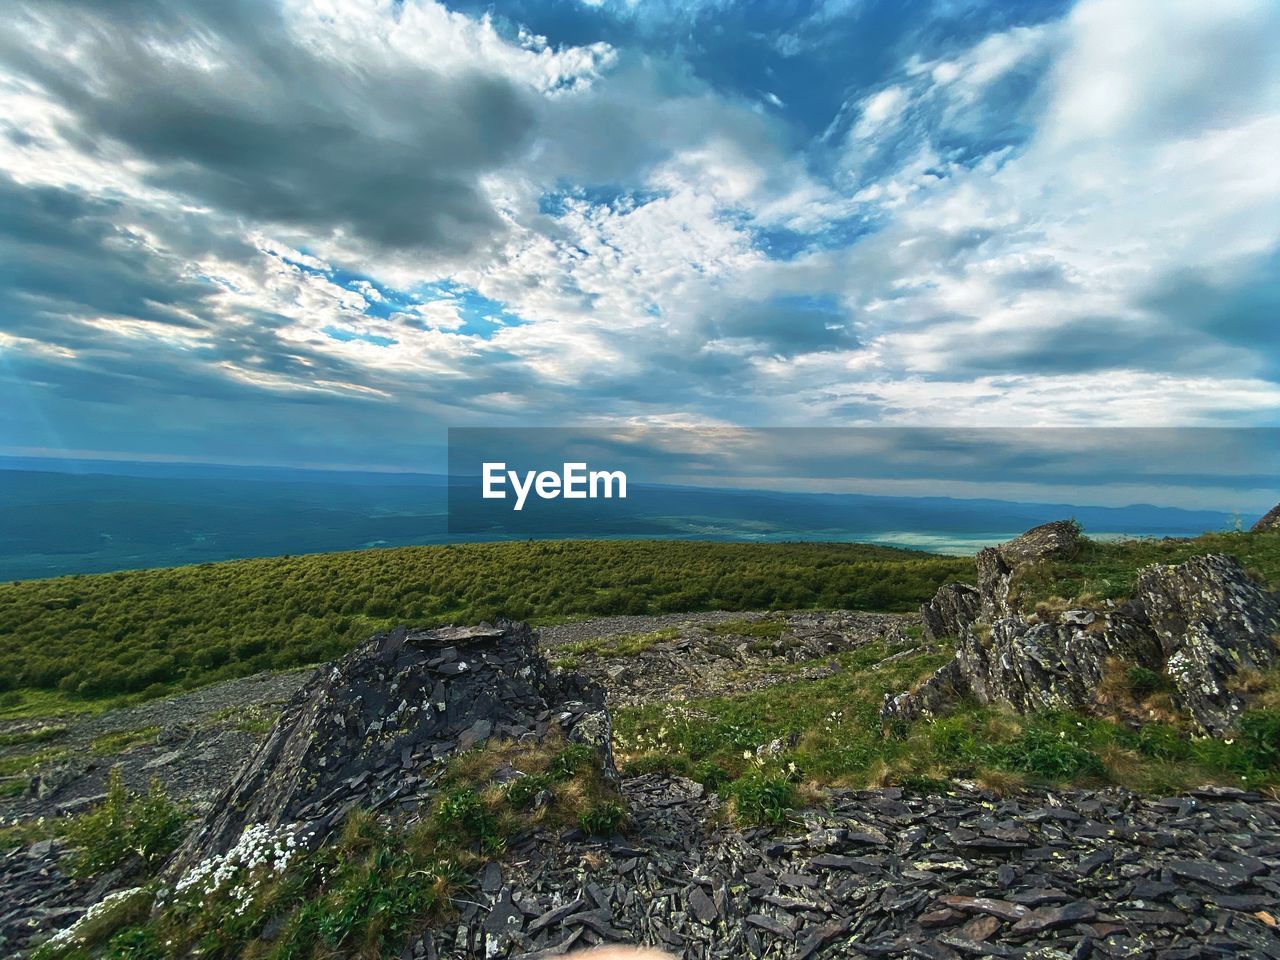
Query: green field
x,y
75,641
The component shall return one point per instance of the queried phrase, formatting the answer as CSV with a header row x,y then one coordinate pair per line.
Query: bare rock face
x,y
1269,521
1202,621
370,729
931,698
956,606
1211,621
1060,538
1043,666
953,608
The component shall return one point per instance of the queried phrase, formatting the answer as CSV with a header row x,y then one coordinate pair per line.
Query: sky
x,y
324,231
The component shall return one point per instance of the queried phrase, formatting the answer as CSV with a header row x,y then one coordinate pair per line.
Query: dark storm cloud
x,y
62,252
1242,310
251,121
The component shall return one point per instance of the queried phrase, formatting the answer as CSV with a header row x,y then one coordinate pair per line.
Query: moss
x,y
619,645
119,741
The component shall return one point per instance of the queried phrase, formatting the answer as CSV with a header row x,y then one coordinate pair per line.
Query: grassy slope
x,y
1107,570
363,893
149,631
834,722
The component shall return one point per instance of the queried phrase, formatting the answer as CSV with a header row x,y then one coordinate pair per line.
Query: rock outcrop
x,y
1269,521
956,606
953,608
1202,622
368,730
1211,621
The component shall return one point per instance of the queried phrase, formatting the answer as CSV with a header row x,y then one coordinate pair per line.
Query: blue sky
x,y
323,231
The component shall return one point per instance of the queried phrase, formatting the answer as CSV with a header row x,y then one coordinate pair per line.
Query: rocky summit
x,y
1204,622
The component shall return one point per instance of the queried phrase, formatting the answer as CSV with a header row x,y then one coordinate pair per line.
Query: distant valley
x,y
70,517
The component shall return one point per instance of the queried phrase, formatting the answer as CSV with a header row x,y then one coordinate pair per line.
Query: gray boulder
x,y
1269,521
1060,538
996,565
1054,665
953,608
1211,621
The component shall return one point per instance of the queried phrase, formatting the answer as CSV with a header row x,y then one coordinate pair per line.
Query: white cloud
x,y
879,110
1024,201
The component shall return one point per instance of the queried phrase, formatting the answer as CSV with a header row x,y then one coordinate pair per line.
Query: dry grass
x,y
1114,689
482,764
1000,782
1117,700
1002,725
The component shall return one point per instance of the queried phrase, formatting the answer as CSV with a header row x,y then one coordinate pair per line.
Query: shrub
x,y
1051,755
464,814
1260,738
603,818
1161,742
762,797
123,825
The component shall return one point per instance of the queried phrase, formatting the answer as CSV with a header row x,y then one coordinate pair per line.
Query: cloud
x,y
1059,255
411,217
360,132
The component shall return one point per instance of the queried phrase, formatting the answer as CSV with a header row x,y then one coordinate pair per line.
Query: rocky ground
x,y
188,742
876,873
881,874
719,654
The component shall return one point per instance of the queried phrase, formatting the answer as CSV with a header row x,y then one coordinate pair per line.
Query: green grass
x,y
81,642
41,734
619,645
25,764
1101,571
125,824
828,731
30,703
366,891
259,718
119,741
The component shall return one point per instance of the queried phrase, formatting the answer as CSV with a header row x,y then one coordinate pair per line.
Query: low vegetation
x,y
619,645
119,741
762,748
364,893
82,640
1107,570
125,826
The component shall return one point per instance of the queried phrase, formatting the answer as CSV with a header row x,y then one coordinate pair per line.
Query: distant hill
x,y
65,517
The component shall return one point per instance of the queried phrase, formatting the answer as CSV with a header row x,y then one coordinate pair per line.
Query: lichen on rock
x,y
1202,622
